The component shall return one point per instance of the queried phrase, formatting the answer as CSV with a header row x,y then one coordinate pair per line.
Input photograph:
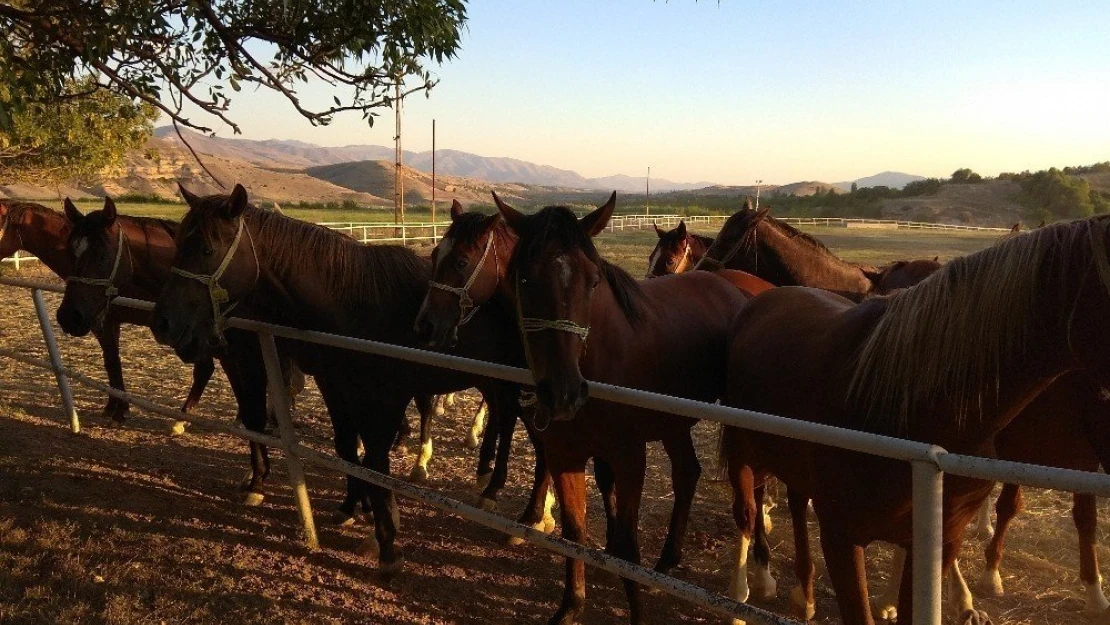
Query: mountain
x,y
892,179
376,178
289,154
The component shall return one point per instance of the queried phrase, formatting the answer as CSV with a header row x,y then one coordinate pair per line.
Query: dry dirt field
x,y
131,525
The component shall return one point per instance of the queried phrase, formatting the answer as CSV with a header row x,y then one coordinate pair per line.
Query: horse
x,y
1073,410
950,362
676,251
45,233
566,294
113,255
280,270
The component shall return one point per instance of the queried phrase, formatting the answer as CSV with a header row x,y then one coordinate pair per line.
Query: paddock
x,y
52,498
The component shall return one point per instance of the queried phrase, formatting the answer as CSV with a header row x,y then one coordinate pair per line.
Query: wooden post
x,y
279,395
434,180
56,360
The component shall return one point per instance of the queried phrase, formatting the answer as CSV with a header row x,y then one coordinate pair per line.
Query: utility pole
x,y
757,184
398,157
433,175
647,198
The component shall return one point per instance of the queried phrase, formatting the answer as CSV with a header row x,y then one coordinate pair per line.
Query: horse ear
x,y
1016,228
659,233
596,221
491,223
456,210
761,215
110,212
748,204
682,228
936,259
512,216
190,199
72,213
237,201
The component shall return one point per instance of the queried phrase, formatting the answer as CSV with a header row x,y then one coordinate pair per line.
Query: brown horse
x,y
565,294
45,233
113,255
676,251
1072,410
281,270
949,362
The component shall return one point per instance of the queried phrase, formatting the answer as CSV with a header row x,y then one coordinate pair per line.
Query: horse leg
x,y
425,405
538,511
606,485
630,489
802,598
116,409
1010,503
885,606
959,595
569,477
685,472
377,438
1084,512
742,480
202,373
848,574
764,584
247,376
506,409
981,527
488,451
400,443
477,427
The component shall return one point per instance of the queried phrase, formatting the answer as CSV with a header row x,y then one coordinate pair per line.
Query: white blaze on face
x,y
654,259
443,249
80,246
564,270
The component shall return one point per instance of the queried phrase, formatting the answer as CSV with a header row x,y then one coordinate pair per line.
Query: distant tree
x,y
928,186
188,56
855,188
965,176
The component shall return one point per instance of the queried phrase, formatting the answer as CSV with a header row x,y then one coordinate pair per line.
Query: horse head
x,y
554,274
214,268
735,247
101,261
468,266
671,253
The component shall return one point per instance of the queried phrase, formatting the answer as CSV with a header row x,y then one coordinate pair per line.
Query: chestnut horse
x,y
284,271
676,251
1063,427
950,362
568,297
45,232
113,255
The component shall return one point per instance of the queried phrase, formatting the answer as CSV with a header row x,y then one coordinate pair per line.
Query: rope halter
x,y
109,283
721,264
467,307
216,293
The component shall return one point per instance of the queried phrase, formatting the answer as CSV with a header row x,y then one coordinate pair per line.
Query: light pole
x,y
757,183
647,195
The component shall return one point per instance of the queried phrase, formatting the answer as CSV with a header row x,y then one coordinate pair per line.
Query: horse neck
x,y
151,249
698,245
44,233
789,261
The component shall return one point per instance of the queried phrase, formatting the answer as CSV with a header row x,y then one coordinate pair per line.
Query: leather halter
x,y
216,293
109,283
467,308
722,264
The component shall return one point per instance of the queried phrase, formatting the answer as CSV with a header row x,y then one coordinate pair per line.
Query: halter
x,y
678,266
109,283
720,264
467,308
216,293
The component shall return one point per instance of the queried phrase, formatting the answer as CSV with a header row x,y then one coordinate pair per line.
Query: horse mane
x,y
378,282
954,334
793,233
704,240
558,226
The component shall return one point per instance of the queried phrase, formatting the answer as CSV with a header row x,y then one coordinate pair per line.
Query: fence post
x,y
279,396
56,360
928,535
15,261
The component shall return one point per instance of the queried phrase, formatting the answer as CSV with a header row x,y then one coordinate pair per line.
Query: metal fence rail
x,y
929,462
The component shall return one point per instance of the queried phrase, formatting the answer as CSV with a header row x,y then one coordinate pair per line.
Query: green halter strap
x,y
216,293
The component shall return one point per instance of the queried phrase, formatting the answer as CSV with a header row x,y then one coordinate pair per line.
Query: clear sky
x,y
734,91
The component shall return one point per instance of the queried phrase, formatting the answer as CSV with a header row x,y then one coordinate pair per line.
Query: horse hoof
x,y
482,481
764,585
472,441
389,570
178,428
440,410
342,519
539,526
1096,601
801,608
253,500
991,584
882,610
418,474
548,525
487,504
245,483
449,401
368,548
974,617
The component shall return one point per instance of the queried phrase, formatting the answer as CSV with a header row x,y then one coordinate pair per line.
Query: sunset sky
x,y
732,92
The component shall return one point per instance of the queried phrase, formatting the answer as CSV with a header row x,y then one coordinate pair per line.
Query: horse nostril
x,y
162,328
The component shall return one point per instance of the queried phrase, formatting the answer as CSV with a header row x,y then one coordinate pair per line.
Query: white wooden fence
x,y
620,223
929,462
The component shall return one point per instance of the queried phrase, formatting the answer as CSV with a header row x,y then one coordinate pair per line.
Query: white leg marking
x,y
885,605
982,527
473,440
991,583
1096,601
738,586
959,595
764,584
420,471
178,428
801,608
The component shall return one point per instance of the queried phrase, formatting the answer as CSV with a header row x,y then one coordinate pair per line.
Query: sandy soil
x,y
132,525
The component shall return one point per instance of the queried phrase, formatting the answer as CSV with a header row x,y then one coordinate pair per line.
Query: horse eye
x,y
670,262
461,263
208,251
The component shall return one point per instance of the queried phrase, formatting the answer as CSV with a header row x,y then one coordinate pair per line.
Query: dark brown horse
x,y
1032,307
568,297
45,233
280,270
676,251
114,255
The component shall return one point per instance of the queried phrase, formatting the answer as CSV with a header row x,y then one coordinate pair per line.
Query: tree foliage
x,y
965,176
71,139
1053,194
188,57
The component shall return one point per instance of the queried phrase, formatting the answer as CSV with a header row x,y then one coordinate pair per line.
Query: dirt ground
x,y
131,525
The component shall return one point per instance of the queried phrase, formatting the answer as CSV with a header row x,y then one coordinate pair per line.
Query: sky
x,y
734,92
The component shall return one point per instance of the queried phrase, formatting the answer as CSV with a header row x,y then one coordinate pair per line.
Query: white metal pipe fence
x,y
929,462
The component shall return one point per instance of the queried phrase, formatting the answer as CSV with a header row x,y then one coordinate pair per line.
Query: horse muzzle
x,y
562,401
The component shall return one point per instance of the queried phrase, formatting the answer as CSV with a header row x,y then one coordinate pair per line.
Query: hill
x,y
376,178
989,203
892,179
